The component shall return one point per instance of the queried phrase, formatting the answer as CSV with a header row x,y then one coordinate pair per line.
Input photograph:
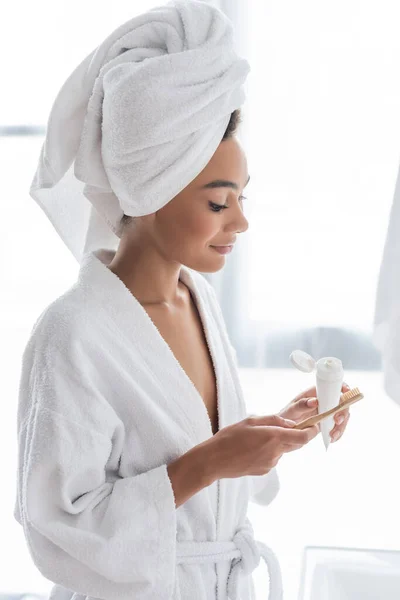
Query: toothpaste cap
x,y
302,361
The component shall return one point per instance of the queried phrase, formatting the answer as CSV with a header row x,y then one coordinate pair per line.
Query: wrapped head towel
x,y
137,121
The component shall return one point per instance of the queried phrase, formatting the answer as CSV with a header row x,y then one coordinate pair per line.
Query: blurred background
x,y
321,130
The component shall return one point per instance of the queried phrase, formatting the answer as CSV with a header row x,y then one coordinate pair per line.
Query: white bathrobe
x,y
104,407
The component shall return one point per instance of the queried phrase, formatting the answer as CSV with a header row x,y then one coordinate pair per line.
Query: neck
x,y
151,278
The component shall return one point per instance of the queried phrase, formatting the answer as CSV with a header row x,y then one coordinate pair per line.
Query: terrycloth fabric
x,y
104,407
137,121
386,333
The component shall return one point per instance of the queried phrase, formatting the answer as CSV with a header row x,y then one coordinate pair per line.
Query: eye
x,y
216,207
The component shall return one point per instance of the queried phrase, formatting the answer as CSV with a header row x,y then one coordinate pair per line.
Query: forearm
x,y
191,472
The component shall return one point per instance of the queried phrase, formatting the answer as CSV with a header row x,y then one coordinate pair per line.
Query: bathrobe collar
x,y
134,323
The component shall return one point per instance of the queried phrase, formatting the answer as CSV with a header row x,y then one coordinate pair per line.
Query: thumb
x,y
311,402
305,403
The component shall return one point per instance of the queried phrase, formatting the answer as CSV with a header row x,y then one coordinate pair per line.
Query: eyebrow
x,y
223,183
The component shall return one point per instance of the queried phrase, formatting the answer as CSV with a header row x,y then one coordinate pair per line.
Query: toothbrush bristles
x,y
350,394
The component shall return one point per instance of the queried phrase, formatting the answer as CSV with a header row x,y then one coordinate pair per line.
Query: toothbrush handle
x,y
317,418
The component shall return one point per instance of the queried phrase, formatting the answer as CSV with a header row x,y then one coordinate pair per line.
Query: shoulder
x,y
63,371
60,325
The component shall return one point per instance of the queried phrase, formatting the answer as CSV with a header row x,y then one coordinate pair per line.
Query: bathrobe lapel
x,y
135,324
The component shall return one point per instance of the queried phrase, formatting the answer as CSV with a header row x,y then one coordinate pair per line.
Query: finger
x,y
310,402
336,436
311,432
340,417
337,431
305,404
345,387
314,431
270,420
292,448
297,436
340,428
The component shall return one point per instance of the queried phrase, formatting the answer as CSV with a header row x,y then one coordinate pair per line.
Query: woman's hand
x,y
254,445
306,405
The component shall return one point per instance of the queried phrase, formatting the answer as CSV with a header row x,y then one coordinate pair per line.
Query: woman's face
x,y
185,229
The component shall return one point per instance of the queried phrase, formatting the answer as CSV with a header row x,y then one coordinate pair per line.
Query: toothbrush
x,y
346,400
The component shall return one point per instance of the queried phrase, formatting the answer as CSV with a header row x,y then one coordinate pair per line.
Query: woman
x,y
136,456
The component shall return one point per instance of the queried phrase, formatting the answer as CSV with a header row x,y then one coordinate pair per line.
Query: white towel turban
x,y
137,121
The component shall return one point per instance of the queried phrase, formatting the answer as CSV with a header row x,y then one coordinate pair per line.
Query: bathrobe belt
x,y
245,552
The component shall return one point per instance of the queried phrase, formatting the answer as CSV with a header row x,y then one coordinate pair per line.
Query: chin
x,y
206,266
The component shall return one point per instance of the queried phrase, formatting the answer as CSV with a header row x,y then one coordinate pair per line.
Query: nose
x,y
238,222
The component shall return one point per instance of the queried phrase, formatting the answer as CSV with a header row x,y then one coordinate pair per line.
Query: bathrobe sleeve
x,y
264,487
87,528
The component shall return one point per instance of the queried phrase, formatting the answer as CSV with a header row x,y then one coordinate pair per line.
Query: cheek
x,y
201,225
204,225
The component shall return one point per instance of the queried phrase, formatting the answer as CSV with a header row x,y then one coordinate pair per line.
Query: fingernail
x,y
312,401
340,420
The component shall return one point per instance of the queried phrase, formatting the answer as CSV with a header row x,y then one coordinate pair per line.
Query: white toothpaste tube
x,y
329,381
329,387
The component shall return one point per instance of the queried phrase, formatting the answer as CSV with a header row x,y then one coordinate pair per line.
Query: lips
x,y
223,249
